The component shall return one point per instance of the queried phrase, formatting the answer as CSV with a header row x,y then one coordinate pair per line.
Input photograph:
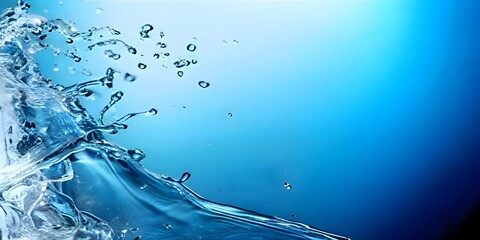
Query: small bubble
x,y
142,65
194,61
167,226
162,34
235,42
129,77
166,54
287,186
60,2
56,69
230,114
180,73
191,47
69,40
204,84
294,215
99,10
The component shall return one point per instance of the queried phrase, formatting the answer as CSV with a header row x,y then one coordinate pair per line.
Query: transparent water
x,y
60,178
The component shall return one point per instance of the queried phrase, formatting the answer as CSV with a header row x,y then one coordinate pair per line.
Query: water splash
x,y
59,177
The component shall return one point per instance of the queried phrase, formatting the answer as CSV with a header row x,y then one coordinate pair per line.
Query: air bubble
x,y
180,73
204,84
191,47
142,65
129,77
287,186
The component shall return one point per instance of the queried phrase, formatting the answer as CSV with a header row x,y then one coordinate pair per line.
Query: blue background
x,y
368,108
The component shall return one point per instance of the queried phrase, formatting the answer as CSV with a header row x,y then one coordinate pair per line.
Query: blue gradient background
x,y
369,109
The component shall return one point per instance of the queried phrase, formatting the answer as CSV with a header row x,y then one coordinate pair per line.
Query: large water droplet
x,y
191,47
129,77
204,84
142,65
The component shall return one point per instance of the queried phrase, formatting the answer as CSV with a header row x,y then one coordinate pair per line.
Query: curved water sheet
x,y
60,179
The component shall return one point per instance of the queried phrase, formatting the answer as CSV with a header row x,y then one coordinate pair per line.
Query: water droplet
x,y
224,41
138,238
136,154
287,186
167,226
230,114
161,45
145,30
129,77
180,73
181,63
156,55
204,84
151,112
72,70
191,47
294,215
194,61
112,55
99,10
86,72
69,40
185,176
60,2
142,65
162,35
56,69
132,50
235,42
166,54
